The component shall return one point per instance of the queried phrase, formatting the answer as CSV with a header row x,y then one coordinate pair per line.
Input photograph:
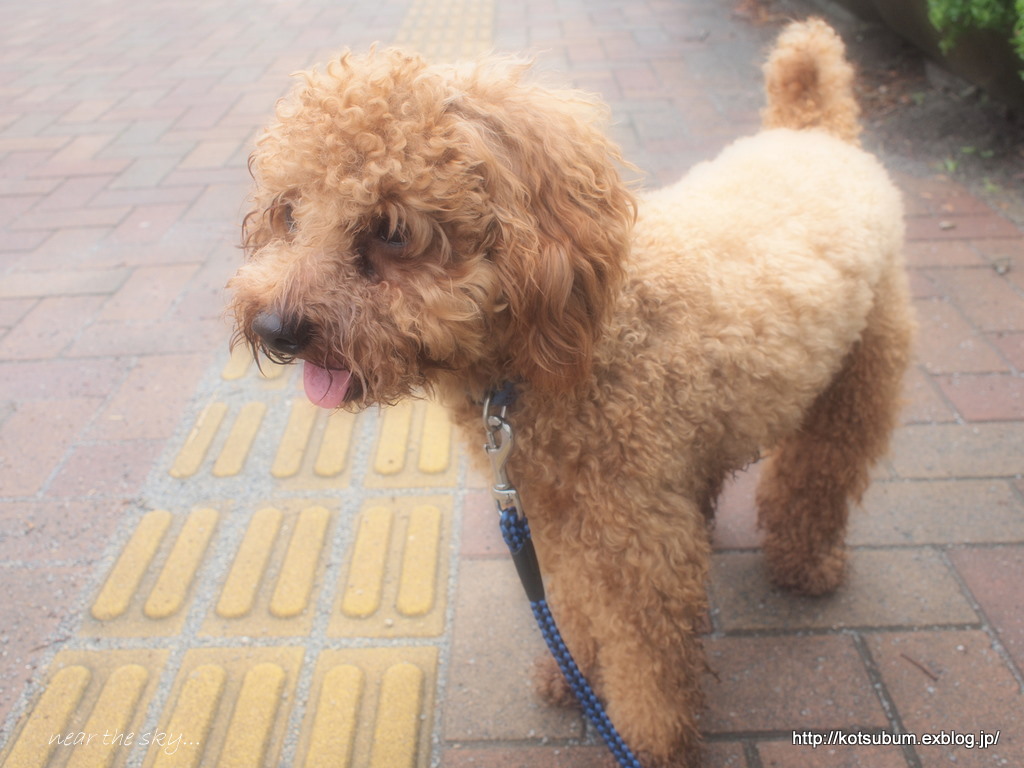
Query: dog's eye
x,y
282,218
391,235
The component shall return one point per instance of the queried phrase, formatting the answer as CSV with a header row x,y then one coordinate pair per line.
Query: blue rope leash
x,y
516,532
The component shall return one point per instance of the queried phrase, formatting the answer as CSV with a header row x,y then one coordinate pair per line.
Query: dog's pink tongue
x,y
325,387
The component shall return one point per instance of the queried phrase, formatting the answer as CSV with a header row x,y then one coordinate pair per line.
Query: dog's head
x,y
412,222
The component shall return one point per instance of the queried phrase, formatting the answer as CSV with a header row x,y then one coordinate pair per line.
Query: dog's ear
x,y
562,218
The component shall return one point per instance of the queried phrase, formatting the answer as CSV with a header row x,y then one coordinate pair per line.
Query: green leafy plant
x,y
954,17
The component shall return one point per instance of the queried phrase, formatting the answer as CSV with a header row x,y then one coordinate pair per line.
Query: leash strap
x,y
515,530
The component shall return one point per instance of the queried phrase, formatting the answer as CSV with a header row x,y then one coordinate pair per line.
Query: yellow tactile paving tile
x,y
179,570
146,591
229,707
240,365
371,708
294,588
198,442
91,713
392,582
231,459
242,585
131,566
414,448
312,451
448,29
272,586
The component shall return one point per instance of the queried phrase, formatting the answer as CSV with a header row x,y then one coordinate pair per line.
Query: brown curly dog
x,y
437,229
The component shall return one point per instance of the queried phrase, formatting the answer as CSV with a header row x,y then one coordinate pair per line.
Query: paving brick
x,y
725,754
947,343
145,172
61,282
528,757
951,681
986,298
23,240
146,224
938,512
787,683
211,154
75,217
1011,345
883,587
736,516
17,164
206,296
986,397
782,754
221,203
995,575
976,227
922,286
12,310
116,469
58,379
947,198
27,461
148,294
40,532
36,601
1003,253
495,642
151,401
73,193
49,327
87,111
986,449
190,177
148,196
105,339
12,209
481,536
66,249
942,253
924,402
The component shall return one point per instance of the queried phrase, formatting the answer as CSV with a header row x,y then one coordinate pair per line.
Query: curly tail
x,y
809,82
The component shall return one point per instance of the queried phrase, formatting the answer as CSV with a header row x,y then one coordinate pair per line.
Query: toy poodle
x,y
450,229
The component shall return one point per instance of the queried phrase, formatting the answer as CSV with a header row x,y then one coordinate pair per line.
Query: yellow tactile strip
x,y
272,587
448,29
147,589
230,707
414,448
371,709
393,581
224,435
92,711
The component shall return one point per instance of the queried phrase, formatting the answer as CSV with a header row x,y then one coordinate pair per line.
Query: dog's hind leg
x,y
812,475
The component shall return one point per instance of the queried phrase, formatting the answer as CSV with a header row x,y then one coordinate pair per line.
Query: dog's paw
x,y
812,576
550,684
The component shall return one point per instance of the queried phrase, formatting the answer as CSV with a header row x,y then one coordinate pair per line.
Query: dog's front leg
x,y
643,598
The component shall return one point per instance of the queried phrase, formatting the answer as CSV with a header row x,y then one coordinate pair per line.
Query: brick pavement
x,y
187,547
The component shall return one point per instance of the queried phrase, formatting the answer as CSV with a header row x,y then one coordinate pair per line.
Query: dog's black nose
x,y
286,338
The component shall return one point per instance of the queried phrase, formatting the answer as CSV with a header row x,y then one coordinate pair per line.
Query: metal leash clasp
x,y
498,447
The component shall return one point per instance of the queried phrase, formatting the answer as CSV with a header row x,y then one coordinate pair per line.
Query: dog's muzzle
x,y
280,336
